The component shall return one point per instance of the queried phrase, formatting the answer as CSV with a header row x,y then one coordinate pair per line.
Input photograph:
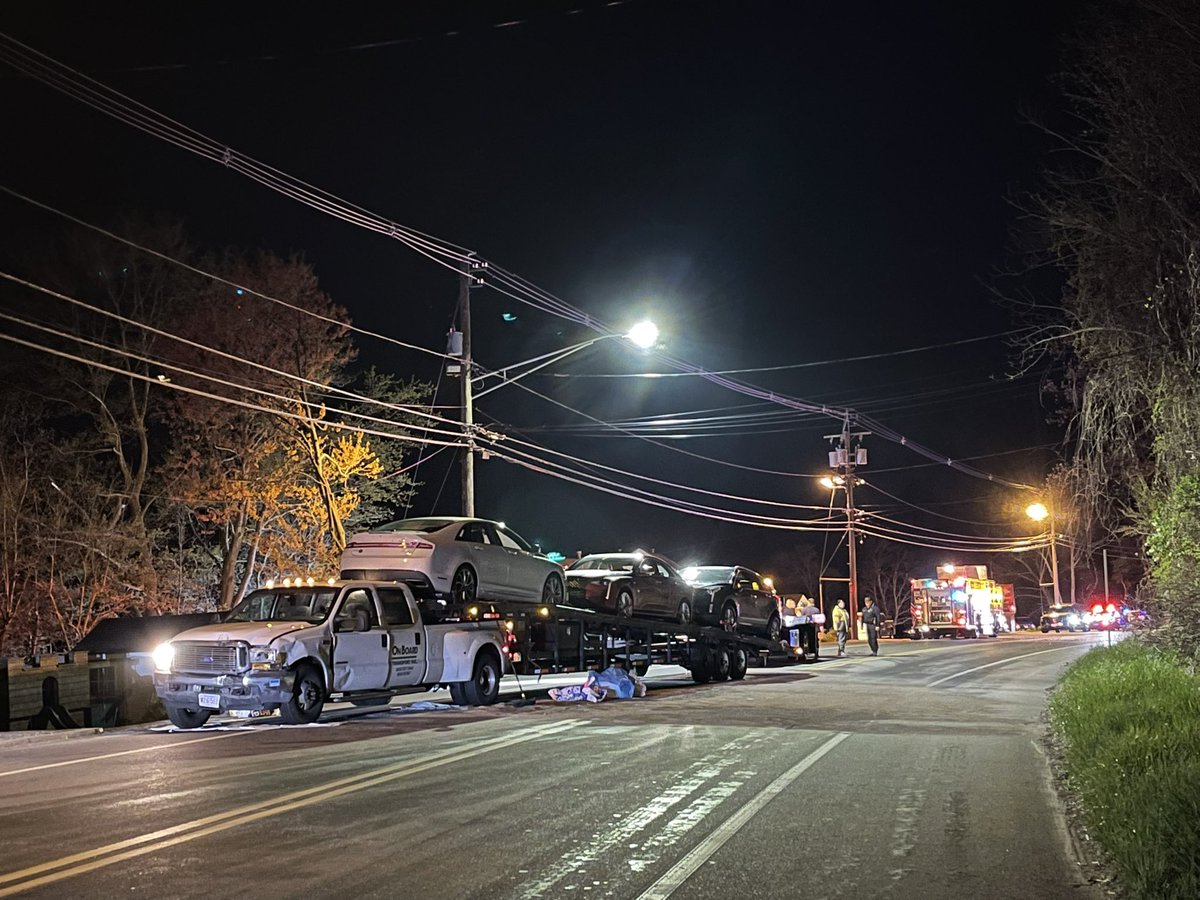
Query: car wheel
x,y
465,585
308,697
625,603
684,613
553,591
484,686
182,717
729,618
739,660
774,627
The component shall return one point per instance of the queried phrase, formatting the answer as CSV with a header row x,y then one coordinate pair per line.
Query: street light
x,y
643,335
1039,513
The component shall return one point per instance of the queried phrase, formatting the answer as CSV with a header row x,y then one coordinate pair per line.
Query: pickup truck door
x,y
408,663
360,657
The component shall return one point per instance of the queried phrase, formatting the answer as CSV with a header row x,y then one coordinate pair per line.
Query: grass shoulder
x,y
1128,721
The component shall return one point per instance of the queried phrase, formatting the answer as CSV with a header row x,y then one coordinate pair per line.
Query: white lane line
x,y
583,853
96,858
73,762
682,870
997,663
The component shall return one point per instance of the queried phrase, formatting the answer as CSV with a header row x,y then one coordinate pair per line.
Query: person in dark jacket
x,y
872,621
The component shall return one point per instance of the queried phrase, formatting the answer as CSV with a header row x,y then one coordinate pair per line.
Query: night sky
x,y
772,183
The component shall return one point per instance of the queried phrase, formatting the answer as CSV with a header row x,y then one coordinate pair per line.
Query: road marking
x,y
90,860
997,663
583,853
684,869
72,762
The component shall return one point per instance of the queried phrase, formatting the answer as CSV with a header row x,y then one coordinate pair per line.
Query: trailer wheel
x,y
718,662
685,612
738,662
624,603
701,673
484,686
729,617
182,717
774,627
465,585
308,697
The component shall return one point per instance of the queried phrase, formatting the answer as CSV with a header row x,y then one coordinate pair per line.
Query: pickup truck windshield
x,y
284,605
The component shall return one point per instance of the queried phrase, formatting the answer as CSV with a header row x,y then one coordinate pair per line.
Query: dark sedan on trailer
x,y
736,598
630,584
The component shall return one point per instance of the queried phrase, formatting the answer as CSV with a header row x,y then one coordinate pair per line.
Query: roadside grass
x,y
1128,718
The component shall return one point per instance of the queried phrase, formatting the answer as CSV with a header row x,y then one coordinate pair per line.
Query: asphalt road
x,y
914,774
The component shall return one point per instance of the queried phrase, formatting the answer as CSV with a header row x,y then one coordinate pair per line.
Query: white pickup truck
x,y
294,647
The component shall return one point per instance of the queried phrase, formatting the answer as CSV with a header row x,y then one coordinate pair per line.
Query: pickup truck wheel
x,y
182,717
729,617
553,591
465,585
624,604
307,700
484,686
458,693
774,627
738,662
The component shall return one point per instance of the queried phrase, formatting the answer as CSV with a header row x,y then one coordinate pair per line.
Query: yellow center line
x,y
185,743
89,860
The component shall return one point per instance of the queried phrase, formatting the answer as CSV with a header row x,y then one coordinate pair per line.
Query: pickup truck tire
x,y
458,693
182,717
738,662
308,697
484,686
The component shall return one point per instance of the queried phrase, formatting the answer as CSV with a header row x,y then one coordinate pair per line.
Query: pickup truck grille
x,y
211,659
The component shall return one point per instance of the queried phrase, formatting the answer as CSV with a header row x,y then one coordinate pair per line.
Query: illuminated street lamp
x,y
1039,513
643,335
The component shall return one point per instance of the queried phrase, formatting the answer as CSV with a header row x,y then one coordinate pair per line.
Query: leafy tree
x,y
1124,220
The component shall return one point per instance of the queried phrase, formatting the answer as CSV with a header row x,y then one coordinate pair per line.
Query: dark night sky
x,y
773,183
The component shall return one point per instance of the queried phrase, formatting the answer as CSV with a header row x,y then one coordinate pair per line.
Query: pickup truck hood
x,y
257,634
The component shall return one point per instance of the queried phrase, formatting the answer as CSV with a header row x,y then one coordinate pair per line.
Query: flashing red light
x,y
1098,608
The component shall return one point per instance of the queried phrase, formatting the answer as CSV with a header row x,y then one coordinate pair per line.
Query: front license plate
x,y
210,701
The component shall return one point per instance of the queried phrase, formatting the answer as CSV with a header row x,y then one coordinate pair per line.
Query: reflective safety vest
x,y
841,619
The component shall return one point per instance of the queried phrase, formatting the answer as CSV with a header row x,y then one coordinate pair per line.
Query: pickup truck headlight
x,y
163,656
266,658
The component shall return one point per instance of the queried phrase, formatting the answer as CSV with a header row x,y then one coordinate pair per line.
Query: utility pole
x,y
468,408
844,459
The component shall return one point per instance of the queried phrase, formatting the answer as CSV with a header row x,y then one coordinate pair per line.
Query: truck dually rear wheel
x,y
484,686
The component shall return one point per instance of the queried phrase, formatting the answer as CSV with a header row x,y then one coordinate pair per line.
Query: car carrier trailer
x,y
543,640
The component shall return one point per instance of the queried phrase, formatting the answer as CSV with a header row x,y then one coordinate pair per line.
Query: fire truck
x,y
960,602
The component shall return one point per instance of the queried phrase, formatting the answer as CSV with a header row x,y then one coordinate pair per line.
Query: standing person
x,y
872,620
841,625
